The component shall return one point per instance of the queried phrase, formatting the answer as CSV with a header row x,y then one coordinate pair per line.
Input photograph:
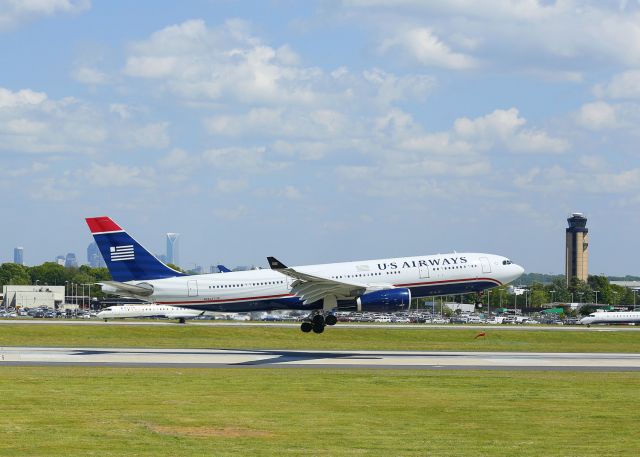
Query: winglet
x,y
275,264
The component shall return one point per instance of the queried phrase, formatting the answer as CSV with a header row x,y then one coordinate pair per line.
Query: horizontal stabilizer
x,y
121,288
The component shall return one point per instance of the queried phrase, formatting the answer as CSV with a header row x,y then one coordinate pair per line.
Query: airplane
x,y
150,310
385,285
611,317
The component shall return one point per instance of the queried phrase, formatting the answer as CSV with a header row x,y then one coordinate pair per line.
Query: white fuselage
x,y
611,317
266,289
150,310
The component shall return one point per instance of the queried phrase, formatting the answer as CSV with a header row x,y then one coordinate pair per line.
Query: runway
x,y
340,325
231,358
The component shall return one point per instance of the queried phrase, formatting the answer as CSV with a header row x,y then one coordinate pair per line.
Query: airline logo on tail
x,y
119,253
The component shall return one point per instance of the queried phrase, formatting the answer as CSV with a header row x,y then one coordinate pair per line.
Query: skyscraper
x,y
70,261
172,248
576,250
94,258
18,255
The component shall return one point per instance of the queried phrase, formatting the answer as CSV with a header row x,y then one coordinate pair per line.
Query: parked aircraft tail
x,y
126,259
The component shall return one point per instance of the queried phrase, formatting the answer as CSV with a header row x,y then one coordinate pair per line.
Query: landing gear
x,y
331,320
182,320
479,299
317,322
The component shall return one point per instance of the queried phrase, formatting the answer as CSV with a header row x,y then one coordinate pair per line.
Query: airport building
x,y
33,296
577,248
172,248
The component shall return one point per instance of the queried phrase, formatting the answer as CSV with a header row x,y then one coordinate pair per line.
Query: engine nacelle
x,y
385,301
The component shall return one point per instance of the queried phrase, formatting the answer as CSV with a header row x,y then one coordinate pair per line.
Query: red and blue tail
x,y
126,259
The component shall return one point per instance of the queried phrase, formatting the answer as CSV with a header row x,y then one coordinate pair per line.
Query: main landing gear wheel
x,y
331,320
318,328
318,320
306,327
182,320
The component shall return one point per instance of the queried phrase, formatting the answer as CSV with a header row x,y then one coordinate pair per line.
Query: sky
x,y
322,131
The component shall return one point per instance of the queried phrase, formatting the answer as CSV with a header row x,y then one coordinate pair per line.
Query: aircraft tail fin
x,y
126,259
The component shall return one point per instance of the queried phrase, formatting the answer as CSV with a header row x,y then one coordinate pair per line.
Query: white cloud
x,y
90,76
230,214
598,115
24,97
31,122
427,49
153,135
503,129
278,122
506,127
228,63
249,160
15,12
622,85
231,185
562,37
224,62
116,175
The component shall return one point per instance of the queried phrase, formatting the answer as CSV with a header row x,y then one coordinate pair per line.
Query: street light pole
x,y
596,292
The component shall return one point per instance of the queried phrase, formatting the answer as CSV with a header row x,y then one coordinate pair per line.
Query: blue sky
x,y
322,131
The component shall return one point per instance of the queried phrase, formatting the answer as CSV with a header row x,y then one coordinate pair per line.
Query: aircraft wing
x,y
311,288
122,288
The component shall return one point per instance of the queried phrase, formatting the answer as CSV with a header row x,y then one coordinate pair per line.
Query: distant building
x,y
173,248
70,261
60,260
577,248
94,258
18,255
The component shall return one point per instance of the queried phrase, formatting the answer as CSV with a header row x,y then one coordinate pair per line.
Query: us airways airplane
x,y
151,310
611,317
385,285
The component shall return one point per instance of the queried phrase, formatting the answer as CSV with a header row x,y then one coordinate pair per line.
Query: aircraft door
x,y
192,286
486,266
424,271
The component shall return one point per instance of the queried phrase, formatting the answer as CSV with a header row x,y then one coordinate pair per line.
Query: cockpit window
x,y
506,262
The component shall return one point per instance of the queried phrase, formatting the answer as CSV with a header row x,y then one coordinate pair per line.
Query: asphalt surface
x,y
231,358
343,325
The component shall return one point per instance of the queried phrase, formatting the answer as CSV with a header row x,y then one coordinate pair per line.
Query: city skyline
x,y
323,131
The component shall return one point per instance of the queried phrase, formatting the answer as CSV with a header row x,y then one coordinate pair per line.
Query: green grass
x,y
63,411
195,336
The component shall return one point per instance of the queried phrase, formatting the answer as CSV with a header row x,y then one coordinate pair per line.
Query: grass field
x,y
63,411
195,336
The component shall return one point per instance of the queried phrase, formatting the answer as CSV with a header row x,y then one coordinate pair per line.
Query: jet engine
x,y
385,301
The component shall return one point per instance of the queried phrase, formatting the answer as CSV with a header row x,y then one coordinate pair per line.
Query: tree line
x,y
53,274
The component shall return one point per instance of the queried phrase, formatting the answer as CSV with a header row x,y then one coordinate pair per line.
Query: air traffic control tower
x,y
577,249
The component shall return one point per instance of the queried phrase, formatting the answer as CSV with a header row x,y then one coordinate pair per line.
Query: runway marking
x,y
313,359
